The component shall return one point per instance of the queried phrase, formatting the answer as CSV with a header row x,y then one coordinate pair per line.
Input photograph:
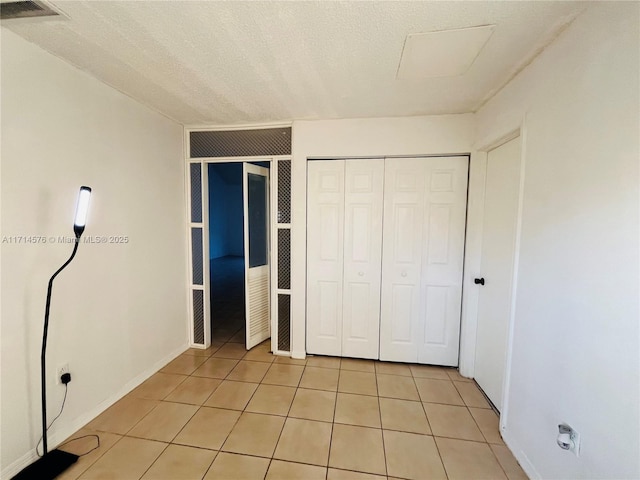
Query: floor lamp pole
x,y
43,361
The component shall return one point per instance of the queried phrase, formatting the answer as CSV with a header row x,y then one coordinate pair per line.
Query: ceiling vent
x,y
26,10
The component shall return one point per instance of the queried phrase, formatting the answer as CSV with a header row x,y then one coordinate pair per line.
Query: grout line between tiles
x,y
384,450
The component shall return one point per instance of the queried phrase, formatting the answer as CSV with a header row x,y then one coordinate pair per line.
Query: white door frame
x,y
473,256
273,232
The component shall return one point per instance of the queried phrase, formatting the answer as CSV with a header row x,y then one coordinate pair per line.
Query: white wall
x,y
61,129
373,137
576,331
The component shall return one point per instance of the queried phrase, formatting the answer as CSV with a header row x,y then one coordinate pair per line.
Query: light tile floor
x,y
225,413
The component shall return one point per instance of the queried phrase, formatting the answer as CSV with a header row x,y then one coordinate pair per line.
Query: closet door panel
x,y
325,247
362,257
442,262
404,198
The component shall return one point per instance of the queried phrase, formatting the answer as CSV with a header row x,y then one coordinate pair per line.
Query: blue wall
x,y
225,210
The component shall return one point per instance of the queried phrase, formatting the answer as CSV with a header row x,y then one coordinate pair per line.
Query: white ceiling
x,y
234,62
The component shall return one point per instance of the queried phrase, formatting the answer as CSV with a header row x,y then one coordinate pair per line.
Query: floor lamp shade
x,y
82,208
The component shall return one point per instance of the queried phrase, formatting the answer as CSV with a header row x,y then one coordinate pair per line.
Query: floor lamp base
x,y
48,467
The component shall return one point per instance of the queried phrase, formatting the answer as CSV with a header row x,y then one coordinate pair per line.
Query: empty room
x,y
337,240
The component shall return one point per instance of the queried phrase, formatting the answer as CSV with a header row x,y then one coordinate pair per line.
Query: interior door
x,y
325,251
256,253
424,225
363,200
498,249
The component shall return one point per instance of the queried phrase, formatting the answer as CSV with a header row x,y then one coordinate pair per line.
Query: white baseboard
x,y
521,457
299,355
56,436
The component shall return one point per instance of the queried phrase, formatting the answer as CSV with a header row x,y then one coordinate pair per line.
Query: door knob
x,y
361,273
478,281
404,274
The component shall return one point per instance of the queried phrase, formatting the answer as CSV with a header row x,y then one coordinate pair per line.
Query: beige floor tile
x,y
279,470
185,364
123,415
324,362
357,448
208,428
438,391
452,421
231,350
246,371
412,456
404,416
231,466
304,441
194,390
454,374
320,378
180,462
282,374
164,422
261,353
428,371
85,446
357,382
231,395
335,474
290,361
240,337
127,459
395,386
202,352
158,386
216,368
358,365
361,410
392,368
272,399
489,424
255,434
509,463
464,460
471,395
313,405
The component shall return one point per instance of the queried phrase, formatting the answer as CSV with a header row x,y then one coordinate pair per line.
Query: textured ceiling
x,y
233,62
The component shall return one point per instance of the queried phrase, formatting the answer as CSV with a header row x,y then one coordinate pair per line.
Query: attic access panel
x,y
446,53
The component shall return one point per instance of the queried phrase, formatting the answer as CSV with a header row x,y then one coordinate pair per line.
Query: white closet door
x,y
424,221
442,260
362,257
325,246
404,196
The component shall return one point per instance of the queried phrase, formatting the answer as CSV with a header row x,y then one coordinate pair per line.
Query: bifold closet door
x,y
362,257
344,248
325,259
424,223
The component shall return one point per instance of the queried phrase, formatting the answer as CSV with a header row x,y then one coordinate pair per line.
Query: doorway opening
x,y
226,252
232,251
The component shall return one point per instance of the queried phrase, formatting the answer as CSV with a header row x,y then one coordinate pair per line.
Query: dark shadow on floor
x,y
227,299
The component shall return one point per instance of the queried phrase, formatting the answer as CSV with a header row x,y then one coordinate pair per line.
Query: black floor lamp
x,y
53,463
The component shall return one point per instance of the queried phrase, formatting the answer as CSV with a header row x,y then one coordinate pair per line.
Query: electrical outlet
x,y
62,369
